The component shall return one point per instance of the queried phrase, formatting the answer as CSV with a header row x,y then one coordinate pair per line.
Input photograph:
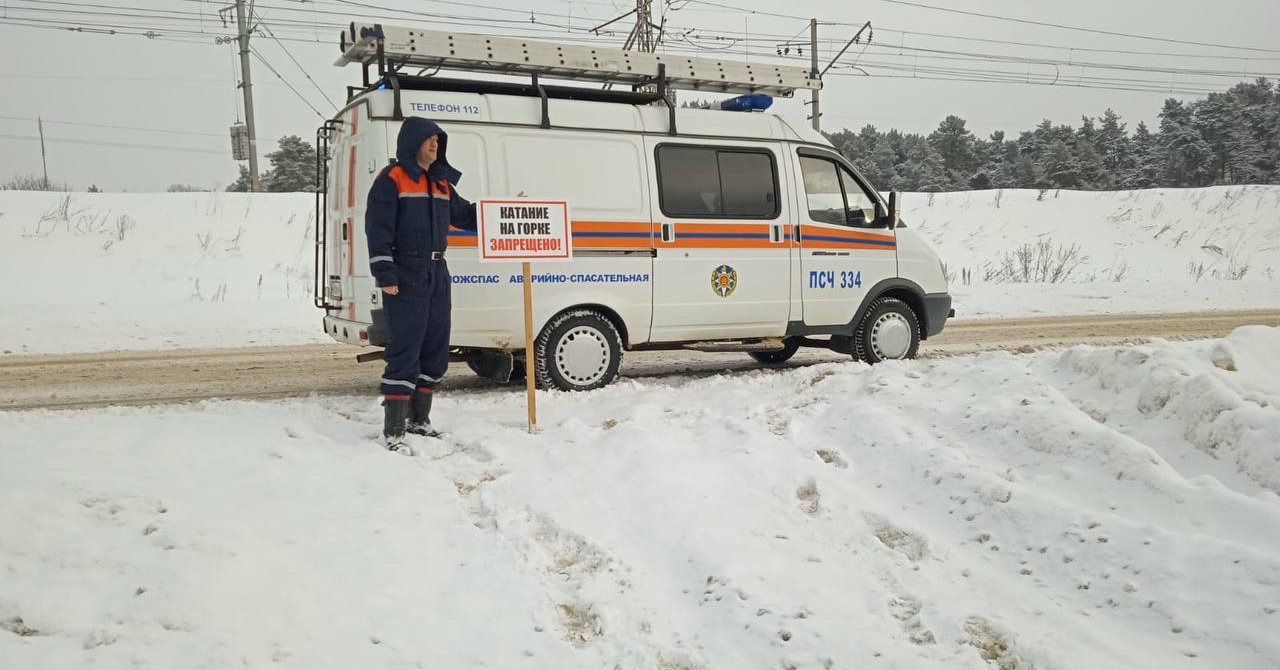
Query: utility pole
x,y
813,71
242,25
43,161
643,32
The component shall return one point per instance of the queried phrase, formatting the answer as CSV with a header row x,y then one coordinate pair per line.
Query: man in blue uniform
x,y
411,205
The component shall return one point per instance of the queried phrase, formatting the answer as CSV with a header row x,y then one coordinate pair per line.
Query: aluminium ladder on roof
x,y
398,47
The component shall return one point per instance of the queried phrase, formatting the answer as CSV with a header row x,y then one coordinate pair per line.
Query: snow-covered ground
x,y
1099,507
91,272
1108,507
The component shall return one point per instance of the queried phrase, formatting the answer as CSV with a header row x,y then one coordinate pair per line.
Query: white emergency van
x,y
706,229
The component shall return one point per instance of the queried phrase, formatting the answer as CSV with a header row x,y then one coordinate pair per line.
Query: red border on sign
x,y
568,230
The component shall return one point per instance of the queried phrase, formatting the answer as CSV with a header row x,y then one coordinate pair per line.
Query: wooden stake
x,y
529,377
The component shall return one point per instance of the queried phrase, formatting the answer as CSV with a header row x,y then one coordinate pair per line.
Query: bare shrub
x,y
1236,269
999,197
1041,262
32,182
1197,270
124,223
205,239
233,244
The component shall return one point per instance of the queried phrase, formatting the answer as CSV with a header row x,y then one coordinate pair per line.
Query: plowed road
x,y
180,375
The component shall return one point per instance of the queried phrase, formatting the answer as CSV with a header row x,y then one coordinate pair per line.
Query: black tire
x,y
517,370
789,348
890,330
578,350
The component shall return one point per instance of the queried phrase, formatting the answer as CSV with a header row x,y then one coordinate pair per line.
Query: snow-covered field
x,y
1091,508
1098,507
92,272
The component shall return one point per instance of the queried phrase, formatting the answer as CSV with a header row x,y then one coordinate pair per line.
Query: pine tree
x,y
293,167
955,145
1113,142
242,183
1187,157
1059,165
925,170
1147,165
881,169
1007,174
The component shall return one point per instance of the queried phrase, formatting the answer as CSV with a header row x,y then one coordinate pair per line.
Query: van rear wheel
x,y
578,350
889,330
789,348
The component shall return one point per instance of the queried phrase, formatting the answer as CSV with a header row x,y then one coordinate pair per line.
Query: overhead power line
x,y
304,71
107,125
286,82
104,143
1094,31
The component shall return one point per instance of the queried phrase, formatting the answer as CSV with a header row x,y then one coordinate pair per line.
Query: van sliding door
x,y
722,263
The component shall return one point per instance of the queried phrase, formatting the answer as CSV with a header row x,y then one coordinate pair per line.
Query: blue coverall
x,y
407,226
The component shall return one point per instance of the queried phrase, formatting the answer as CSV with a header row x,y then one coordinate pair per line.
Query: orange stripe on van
x,y
351,177
815,237
701,235
355,120
612,234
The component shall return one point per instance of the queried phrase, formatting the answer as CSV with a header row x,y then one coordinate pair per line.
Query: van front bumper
x,y
937,309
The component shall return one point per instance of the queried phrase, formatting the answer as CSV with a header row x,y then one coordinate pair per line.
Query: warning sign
x,y
524,230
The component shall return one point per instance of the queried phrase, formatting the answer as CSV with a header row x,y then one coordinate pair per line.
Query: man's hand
x,y
391,290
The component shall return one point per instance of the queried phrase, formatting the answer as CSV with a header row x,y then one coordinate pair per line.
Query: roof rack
x,y
391,48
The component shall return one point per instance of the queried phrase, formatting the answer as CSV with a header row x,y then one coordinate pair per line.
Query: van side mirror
x,y
893,209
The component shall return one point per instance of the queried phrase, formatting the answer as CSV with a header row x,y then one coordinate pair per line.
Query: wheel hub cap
x,y
891,336
582,356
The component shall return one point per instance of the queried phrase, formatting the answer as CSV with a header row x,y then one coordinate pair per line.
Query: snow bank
x,y
1155,235
101,271
92,272
1107,507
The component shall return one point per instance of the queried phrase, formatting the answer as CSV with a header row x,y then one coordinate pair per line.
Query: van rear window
x,y
714,182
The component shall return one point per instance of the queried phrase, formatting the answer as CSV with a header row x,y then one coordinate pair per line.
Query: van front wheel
x,y
890,330
579,350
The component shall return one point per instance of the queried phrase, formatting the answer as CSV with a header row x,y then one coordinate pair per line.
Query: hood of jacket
x,y
413,132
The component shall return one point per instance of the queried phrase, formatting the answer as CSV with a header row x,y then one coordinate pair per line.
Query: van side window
x,y
834,196
823,191
862,207
712,182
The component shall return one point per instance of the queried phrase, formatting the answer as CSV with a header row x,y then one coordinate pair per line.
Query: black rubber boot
x,y
420,415
396,411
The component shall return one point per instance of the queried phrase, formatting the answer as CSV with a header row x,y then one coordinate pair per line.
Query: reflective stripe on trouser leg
x,y
407,318
434,358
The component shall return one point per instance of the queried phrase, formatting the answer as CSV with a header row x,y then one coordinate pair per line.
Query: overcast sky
x,y
170,100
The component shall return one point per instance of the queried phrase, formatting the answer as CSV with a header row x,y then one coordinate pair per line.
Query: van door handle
x,y
668,232
775,232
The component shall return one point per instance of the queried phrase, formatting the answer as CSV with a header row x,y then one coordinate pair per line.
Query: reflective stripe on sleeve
x,y
381,259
